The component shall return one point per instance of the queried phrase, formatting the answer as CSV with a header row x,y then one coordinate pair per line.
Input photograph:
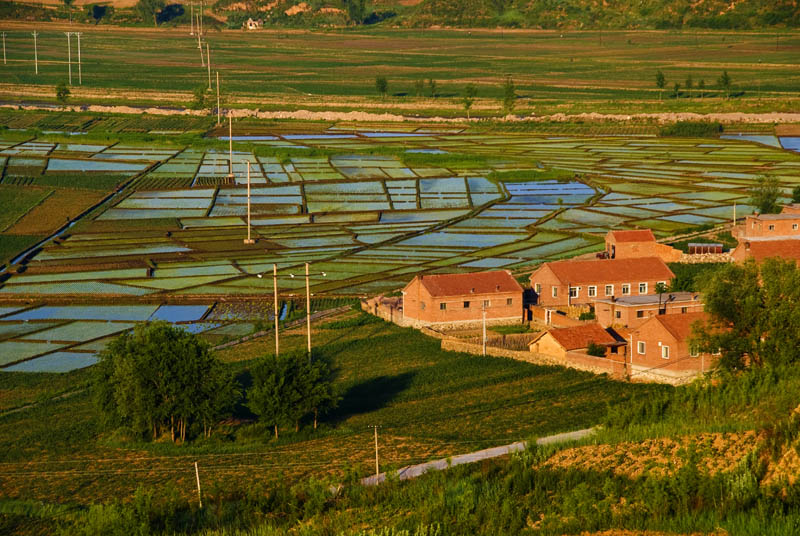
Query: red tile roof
x,y
764,249
497,282
644,235
680,325
610,270
580,336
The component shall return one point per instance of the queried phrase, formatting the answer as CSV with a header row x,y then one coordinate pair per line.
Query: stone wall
x,y
699,258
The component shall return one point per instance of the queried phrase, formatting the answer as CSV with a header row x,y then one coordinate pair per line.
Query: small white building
x,y
253,24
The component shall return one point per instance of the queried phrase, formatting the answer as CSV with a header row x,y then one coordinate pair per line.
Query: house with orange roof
x,y
758,250
632,311
462,299
633,244
573,283
661,347
560,341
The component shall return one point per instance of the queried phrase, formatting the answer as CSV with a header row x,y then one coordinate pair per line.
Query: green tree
x,y
149,8
68,6
160,378
661,82
199,101
755,320
509,96
470,91
701,87
660,289
432,87
676,90
419,87
796,194
356,10
381,86
764,195
724,82
62,92
689,84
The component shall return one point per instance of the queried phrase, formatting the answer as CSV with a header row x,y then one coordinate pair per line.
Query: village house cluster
x,y
617,305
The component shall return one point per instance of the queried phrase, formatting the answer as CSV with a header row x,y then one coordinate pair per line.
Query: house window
x,y
486,303
642,288
684,310
694,351
555,292
442,306
422,305
640,313
592,291
794,227
509,301
538,288
573,292
466,305
626,289
771,227
640,347
663,283
619,314
665,352
609,290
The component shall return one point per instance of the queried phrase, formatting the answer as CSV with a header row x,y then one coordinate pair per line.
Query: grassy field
x,y
429,403
554,71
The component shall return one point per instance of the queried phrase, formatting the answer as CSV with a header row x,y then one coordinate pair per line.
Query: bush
x,y
587,315
353,322
691,129
595,349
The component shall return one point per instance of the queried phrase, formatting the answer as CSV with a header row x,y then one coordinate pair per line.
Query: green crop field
x,y
429,403
554,71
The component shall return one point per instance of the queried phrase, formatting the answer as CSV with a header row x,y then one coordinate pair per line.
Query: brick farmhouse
x,y
762,236
462,298
661,345
636,244
578,283
557,342
632,311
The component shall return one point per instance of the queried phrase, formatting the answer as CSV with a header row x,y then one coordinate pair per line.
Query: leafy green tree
x,y
432,87
509,95
149,8
381,86
796,194
470,92
419,87
199,101
160,378
62,92
596,350
764,195
724,82
68,6
356,10
689,84
676,90
701,87
661,82
755,320
660,289
268,395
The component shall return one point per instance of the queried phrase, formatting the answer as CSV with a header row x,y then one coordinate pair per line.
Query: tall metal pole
x,y
35,52
200,46
201,16
191,18
277,313
484,330
4,48
218,112
197,476
69,55
230,144
308,312
248,240
208,63
377,467
80,77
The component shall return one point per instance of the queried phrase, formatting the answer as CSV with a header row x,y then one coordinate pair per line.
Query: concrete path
x,y
413,471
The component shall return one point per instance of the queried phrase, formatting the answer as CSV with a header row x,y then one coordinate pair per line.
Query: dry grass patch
x,y
55,211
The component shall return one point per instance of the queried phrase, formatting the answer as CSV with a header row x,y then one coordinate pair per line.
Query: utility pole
x,y
208,64
197,476
308,313
69,54
230,144
377,466
201,16
277,312
218,118
35,52
484,329
4,48
191,18
200,46
248,240
80,77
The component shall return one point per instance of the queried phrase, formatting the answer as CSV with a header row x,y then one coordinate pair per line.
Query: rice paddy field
x,y
368,207
554,71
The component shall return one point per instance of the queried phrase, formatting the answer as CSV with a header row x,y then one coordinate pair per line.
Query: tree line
x,y
160,379
468,94
724,83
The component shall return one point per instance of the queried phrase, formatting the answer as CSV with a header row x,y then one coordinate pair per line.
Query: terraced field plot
x,y
370,222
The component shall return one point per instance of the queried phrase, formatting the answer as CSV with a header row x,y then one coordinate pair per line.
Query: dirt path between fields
x,y
357,116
